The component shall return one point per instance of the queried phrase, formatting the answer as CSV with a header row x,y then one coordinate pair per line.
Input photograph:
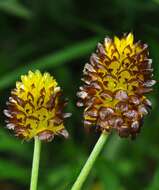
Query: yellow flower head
x,y
35,107
116,79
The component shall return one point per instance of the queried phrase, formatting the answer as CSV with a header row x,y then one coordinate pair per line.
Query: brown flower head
x,y
35,107
116,79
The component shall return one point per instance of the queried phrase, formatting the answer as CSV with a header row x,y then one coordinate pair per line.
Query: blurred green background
x,y
59,36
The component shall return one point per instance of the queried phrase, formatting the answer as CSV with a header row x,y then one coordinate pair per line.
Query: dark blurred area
x,y
58,37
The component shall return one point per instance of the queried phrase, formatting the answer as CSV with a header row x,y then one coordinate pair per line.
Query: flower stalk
x,y
35,164
90,162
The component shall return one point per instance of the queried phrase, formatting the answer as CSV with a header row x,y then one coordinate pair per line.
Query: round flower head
x,y
116,79
35,107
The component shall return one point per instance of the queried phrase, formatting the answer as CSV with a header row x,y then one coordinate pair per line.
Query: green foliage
x,y
14,8
59,36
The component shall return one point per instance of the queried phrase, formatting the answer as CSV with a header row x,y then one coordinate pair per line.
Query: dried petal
x,y
149,83
66,115
82,94
131,114
124,131
121,95
147,103
87,123
64,133
93,112
89,68
104,112
46,136
80,104
134,99
121,106
135,126
142,110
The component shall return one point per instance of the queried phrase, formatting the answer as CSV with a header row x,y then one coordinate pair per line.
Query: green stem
x,y
35,164
90,162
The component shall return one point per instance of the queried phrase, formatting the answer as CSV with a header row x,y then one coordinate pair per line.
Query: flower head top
x,y
116,79
35,107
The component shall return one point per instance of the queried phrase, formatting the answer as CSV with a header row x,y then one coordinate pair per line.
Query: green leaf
x,y
108,177
53,60
15,8
13,145
11,170
154,185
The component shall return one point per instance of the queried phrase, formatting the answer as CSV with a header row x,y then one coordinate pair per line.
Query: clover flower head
x,y
116,79
35,107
